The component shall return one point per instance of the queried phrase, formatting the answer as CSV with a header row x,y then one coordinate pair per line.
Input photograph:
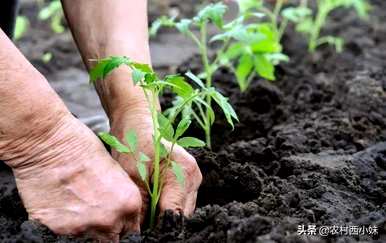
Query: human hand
x,y
70,183
173,196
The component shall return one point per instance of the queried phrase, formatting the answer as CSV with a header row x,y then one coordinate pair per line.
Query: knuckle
x,y
192,170
131,203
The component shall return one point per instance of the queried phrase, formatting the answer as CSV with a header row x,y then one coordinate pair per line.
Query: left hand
x,y
173,196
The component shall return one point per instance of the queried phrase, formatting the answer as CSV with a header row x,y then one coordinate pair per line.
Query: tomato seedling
x,y
164,127
254,47
54,13
311,23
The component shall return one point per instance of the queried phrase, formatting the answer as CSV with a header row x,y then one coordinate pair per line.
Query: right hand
x,y
70,183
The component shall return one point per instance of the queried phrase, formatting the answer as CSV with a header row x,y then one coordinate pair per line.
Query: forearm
x,y
28,105
105,28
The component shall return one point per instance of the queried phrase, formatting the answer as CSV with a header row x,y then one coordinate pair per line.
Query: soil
x,y
310,149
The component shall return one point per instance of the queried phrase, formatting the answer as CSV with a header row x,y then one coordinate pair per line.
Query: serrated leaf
x,y
228,110
270,42
165,127
181,87
213,12
143,157
105,66
243,70
190,142
182,126
179,173
264,67
163,21
195,79
142,170
132,140
113,142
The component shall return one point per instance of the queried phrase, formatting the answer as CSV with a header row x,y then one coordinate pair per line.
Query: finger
x,y
190,204
173,195
131,226
102,237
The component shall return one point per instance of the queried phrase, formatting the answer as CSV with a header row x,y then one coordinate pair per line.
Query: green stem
x,y
156,166
276,11
181,107
282,28
208,83
319,22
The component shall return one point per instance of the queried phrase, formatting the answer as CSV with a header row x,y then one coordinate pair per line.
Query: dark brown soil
x,y
310,149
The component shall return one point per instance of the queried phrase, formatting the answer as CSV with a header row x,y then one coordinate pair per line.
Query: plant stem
x,y
208,83
319,22
156,169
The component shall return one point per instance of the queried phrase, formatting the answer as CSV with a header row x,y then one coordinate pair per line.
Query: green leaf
x,y
179,173
190,142
164,152
243,70
270,42
276,58
296,14
264,67
113,142
228,110
132,140
56,23
196,79
213,12
21,27
362,8
183,25
142,170
50,10
183,125
105,66
245,5
234,51
145,68
143,157
47,57
165,127
137,76
160,22
181,87
305,26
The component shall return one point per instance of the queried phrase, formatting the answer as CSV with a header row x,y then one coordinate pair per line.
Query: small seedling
x,y
254,38
21,27
245,48
54,13
164,127
311,23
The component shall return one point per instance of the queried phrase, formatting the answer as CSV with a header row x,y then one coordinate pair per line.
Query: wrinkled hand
x,y
173,195
76,187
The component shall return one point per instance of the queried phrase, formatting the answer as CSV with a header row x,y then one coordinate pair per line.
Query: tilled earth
x,y
310,149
